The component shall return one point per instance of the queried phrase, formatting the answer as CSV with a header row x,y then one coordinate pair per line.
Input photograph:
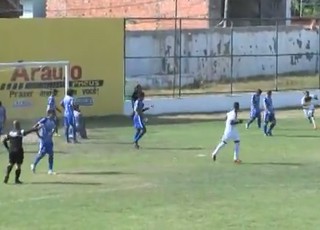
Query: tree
x,y
306,8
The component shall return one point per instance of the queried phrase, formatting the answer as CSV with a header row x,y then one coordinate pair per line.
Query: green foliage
x,y
310,8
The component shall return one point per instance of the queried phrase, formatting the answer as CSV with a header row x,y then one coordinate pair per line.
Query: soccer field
x,y
171,182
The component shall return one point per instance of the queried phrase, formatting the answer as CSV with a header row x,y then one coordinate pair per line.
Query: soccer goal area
x,y
25,86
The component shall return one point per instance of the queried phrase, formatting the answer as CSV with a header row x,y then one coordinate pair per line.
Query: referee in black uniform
x,y
13,142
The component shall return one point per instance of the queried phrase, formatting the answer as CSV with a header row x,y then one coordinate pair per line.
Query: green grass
x,y
171,183
265,83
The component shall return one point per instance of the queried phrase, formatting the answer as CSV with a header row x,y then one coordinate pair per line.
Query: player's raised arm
x,y
147,108
235,122
32,130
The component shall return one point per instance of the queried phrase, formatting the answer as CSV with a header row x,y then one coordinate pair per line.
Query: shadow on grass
x,y
173,148
273,163
298,136
96,173
124,121
36,152
106,142
65,183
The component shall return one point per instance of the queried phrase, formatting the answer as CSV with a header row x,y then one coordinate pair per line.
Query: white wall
x,y
215,103
27,9
151,49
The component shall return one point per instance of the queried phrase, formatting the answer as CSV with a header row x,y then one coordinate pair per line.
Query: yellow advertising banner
x,y
94,48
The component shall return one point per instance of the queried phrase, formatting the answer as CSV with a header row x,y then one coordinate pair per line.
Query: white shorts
x,y
308,112
231,135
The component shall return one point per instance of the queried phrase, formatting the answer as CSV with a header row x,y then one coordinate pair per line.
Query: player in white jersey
x,y
230,133
307,103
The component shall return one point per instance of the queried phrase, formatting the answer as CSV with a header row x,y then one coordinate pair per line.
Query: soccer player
x,y
46,128
3,117
269,115
135,96
52,106
80,123
230,132
68,105
138,119
255,112
308,107
13,142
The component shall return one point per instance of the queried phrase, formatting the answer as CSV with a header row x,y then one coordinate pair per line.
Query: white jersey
x,y
231,131
231,116
307,105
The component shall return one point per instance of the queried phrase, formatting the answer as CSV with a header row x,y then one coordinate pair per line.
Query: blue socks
x,y
271,127
66,133
139,134
259,122
50,161
136,135
38,159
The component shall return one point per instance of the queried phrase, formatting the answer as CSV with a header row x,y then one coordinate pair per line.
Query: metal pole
x,y
277,55
175,47
125,60
180,55
225,13
231,60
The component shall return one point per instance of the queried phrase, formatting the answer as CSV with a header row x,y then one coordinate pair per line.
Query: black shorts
x,y
16,157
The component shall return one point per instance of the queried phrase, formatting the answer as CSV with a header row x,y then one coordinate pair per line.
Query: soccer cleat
x,y
136,146
57,135
18,182
237,161
214,158
51,172
6,179
33,168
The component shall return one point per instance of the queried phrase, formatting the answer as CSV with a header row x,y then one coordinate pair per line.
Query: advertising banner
x,y
94,48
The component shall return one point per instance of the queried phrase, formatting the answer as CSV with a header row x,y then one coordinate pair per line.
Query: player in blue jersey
x,y
53,107
255,112
139,120
3,117
68,105
269,115
46,129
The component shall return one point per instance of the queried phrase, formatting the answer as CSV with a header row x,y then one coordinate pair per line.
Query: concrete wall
x,y
34,8
148,54
215,103
27,9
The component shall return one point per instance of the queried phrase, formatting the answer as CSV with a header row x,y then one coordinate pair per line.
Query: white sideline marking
x,y
107,190
201,155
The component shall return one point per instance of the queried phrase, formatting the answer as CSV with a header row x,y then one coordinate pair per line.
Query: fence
x,y
175,57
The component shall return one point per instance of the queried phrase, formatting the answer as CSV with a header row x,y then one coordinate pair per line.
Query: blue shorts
x,y
137,122
68,121
46,148
255,113
269,117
